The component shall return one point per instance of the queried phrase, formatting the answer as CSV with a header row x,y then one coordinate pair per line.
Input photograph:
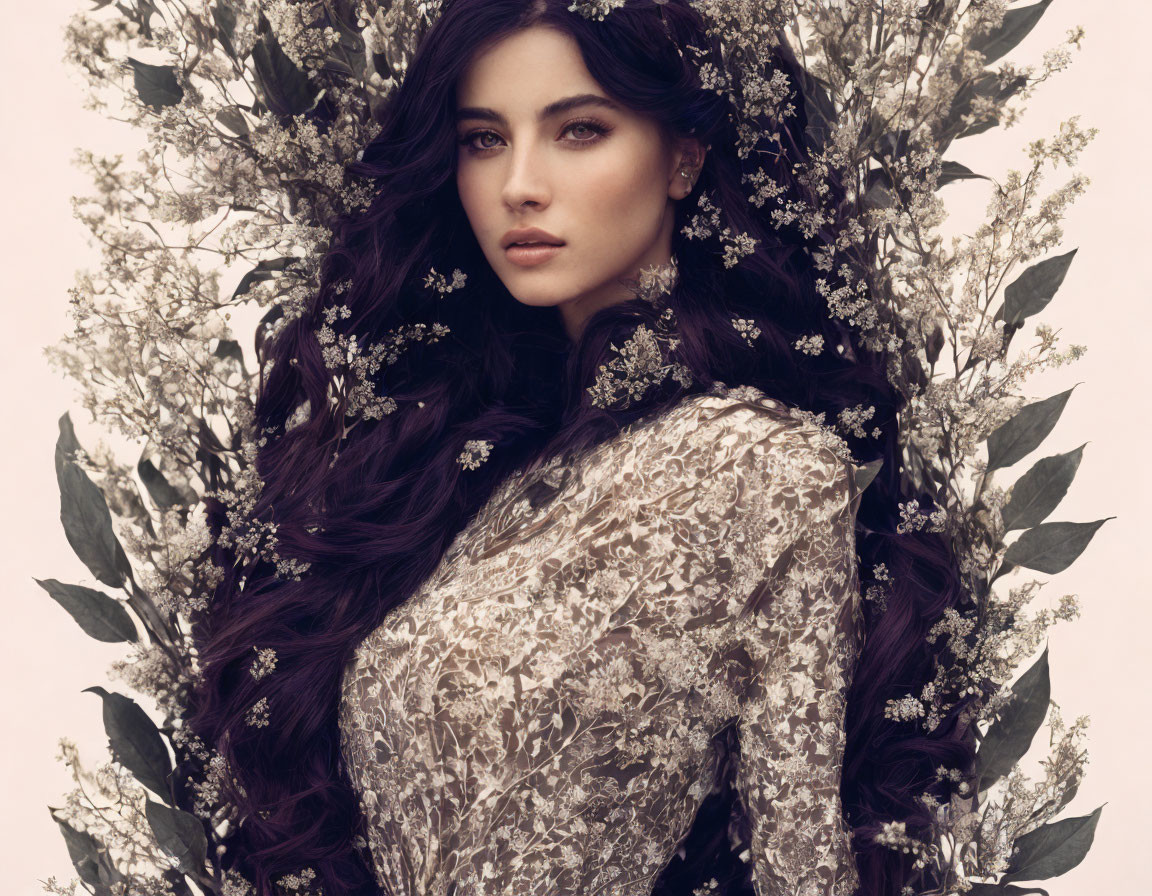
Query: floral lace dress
x,y
540,717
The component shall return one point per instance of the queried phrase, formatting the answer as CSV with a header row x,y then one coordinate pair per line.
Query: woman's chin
x,y
536,300
545,292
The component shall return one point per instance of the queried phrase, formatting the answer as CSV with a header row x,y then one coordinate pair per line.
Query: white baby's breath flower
x,y
642,362
595,9
475,452
438,282
746,328
264,663
812,344
655,281
852,420
257,715
904,709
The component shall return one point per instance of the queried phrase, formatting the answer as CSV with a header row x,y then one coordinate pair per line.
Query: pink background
x,y
1098,661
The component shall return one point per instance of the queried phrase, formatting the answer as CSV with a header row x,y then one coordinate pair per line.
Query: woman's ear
x,y
689,158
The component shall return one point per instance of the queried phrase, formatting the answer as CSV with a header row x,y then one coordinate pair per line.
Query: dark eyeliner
x,y
601,129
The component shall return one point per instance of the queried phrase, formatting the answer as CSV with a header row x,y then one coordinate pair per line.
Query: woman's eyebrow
x,y
563,105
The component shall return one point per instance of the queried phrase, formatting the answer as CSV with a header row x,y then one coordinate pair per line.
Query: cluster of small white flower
x,y
894,835
361,366
811,345
746,328
852,420
706,224
292,24
643,361
913,519
439,282
264,663
257,715
655,281
300,882
595,9
904,709
876,592
475,452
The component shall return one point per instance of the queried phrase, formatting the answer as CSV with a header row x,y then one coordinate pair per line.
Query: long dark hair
x,y
372,502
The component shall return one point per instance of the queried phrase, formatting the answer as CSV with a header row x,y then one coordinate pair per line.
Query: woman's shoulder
x,y
734,441
745,420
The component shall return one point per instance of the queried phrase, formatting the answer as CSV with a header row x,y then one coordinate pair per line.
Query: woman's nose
x,y
526,179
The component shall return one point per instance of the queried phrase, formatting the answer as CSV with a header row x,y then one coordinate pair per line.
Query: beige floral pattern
x,y
544,714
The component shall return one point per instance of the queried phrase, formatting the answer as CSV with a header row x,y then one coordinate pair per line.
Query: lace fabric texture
x,y
539,717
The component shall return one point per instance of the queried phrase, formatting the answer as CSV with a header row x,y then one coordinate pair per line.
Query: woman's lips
x,y
528,255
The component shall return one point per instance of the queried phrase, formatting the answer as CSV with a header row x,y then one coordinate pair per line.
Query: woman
x,y
579,617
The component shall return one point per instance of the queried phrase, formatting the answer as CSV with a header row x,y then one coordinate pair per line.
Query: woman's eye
x,y
468,140
596,128
588,126
585,131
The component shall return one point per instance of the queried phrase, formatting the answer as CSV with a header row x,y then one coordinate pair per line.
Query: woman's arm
x,y
803,641
736,549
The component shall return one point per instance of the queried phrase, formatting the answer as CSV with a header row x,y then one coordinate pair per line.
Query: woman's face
x,y
592,175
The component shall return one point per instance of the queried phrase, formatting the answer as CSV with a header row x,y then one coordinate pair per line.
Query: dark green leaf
x,y
985,85
1002,570
66,444
1033,290
135,741
878,196
263,328
1009,737
229,348
934,344
101,617
1052,547
1015,27
285,89
1051,850
179,834
950,171
263,271
224,16
819,110
160,490
1004,890
335,64
1037,493
156,84
380,63
1025,431
141,13
893,144
83,850
865,473
90,858
234,120
88,523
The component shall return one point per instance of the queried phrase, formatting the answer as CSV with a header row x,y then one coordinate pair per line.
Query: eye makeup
x,y
598,128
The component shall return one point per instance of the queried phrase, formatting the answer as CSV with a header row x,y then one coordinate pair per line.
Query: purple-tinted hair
x,y
375,521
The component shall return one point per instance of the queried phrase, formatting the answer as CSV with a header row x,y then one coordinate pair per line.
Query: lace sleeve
x,y
803,644
741,532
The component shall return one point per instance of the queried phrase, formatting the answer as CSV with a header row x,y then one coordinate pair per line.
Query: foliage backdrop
x,y
90,531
